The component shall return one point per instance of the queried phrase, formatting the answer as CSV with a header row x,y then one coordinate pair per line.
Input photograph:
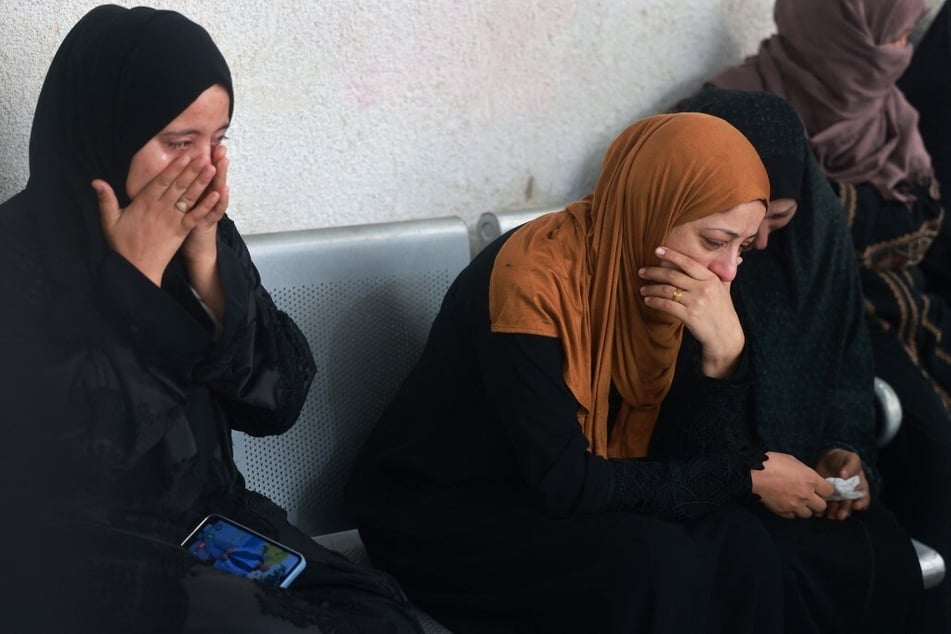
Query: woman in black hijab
x,y
852,567
137,337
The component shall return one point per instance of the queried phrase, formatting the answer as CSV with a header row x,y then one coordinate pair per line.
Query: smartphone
x,y
229,546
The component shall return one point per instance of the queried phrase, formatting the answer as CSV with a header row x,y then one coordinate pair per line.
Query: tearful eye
x,y
714,244
746,246
178,145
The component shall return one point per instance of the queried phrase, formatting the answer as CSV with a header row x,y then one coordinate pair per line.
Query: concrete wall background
x,y
354,111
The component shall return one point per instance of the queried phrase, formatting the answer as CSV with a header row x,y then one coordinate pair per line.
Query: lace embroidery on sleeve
x,y
683,490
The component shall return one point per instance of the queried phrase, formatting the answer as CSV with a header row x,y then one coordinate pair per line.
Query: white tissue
x,y
844,489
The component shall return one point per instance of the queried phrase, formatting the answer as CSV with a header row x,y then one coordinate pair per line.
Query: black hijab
x,y
119,77
800,299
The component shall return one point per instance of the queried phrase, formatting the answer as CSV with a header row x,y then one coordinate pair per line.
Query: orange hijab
x,y
573,274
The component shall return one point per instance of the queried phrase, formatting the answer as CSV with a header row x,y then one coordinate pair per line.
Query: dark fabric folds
x,y
800,299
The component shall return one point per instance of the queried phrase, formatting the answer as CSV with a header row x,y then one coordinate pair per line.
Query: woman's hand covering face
x,y
152,228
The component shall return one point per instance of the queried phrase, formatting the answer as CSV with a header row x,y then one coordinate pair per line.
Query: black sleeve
x,y
700,415
702,447
130,390
523,378
261,366
683,489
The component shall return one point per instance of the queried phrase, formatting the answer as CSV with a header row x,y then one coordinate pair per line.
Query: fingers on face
x,y
222,205
182,180
191,183
684,262
205,212
108,204
221,175
159,186
668,293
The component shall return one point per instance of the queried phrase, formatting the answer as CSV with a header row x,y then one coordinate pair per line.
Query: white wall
x,y
353,111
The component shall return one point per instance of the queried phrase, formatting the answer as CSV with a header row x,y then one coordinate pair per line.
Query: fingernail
x,y
660,251
641,271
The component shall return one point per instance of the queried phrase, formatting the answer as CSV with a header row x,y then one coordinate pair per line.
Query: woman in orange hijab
x,y
509,484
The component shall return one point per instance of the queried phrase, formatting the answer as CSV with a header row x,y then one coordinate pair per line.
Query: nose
x,y
762,236
724,266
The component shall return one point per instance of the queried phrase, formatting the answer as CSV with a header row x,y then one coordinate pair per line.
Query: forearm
x,y
682,489
205,279
261,364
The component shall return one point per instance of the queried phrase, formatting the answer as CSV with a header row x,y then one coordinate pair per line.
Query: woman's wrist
x,y
206,281
720,362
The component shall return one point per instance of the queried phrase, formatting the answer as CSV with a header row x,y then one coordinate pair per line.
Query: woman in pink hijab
x,y
837,62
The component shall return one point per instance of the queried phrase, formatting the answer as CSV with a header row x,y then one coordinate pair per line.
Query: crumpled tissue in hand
x,y
845,489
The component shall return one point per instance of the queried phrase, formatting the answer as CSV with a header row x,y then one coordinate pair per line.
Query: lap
x,y
859,574
598,572
124,580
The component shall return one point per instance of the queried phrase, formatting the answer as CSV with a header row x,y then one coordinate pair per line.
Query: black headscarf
x,y
800,299
119,77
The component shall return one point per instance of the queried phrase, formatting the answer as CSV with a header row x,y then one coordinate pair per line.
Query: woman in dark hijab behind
x,y
852,567
138,337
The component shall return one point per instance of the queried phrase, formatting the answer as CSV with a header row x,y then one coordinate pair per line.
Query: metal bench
x,y
365,297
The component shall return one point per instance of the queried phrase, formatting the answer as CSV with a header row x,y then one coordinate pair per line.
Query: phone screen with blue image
x,y
231,547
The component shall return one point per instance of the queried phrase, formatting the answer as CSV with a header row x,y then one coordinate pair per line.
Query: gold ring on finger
x,y
677,293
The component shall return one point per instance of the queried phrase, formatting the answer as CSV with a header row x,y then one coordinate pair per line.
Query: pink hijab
x,y
834,61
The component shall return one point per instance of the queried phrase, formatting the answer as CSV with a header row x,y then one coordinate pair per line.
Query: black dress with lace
x,y
476,490
121,417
